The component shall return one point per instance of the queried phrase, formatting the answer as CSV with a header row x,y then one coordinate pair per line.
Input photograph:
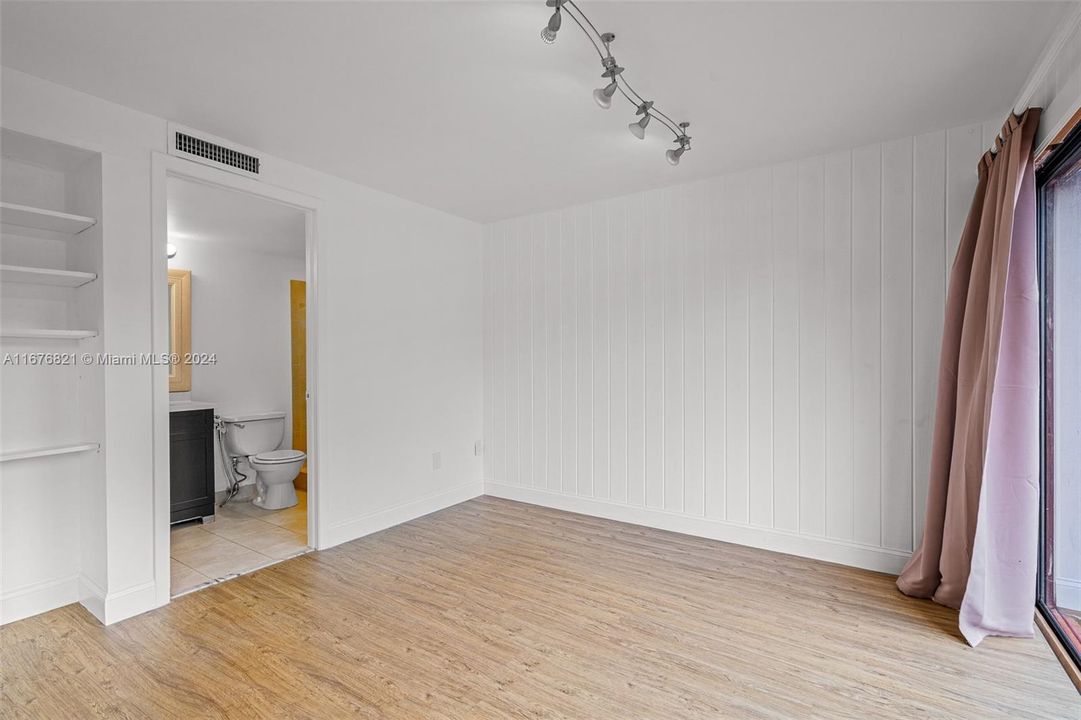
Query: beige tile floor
x,y
242,538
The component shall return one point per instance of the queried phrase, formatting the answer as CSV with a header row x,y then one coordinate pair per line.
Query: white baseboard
x,y
92,597
836,551
1068,593
383,519
131,601
108,608
111,608
40,597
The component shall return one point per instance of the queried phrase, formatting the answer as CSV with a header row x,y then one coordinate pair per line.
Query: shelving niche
x,y
52,474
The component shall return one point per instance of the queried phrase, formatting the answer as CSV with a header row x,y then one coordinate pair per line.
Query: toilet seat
x,y
278,457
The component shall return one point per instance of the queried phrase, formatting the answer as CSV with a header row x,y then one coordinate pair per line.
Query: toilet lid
x,y
279,456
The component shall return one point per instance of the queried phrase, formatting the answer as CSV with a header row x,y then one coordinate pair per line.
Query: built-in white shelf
x,y
44,276
46,451
43,334
42,219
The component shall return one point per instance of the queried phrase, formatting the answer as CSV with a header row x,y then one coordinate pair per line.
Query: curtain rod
x,y
1066,29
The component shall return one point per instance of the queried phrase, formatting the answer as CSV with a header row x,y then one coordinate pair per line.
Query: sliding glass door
x,y
1059,591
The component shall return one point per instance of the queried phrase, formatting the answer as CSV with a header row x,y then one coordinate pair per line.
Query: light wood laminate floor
x,y
493,609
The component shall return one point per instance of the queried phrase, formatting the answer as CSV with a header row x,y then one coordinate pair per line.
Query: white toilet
x,y
256,437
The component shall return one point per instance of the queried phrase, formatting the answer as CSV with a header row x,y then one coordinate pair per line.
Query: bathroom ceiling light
x,y
170,250
617,83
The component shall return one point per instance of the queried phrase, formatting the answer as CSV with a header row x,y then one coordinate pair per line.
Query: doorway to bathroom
x,y
239,465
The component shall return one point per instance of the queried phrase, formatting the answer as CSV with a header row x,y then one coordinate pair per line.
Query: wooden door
x,y
180,329
298,331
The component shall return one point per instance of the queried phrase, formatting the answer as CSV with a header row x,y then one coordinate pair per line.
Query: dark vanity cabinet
x,y
191,465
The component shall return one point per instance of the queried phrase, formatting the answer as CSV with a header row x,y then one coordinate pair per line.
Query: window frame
x,y
1063,158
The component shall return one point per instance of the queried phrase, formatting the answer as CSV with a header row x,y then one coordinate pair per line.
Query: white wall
x,y
240,313
1055,83
752,358
399,347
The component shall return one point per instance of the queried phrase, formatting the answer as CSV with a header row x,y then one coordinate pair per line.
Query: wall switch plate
x,y
437,460
478,448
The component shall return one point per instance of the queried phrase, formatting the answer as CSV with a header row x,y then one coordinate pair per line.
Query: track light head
x,y
603,96
548,34
555,21
684,141
638,129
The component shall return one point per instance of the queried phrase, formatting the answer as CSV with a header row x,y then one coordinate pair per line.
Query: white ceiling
x,y
203,213
460,106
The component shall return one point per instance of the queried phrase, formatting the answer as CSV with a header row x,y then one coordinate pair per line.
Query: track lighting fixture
x,y
616,82
548,33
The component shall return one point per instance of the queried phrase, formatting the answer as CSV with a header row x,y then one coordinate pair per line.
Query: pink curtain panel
x,y
978,551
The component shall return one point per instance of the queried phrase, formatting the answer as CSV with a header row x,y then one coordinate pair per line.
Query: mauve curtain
x,y
978,551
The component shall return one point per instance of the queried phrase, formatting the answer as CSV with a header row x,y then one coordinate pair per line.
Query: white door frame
x,y
163,167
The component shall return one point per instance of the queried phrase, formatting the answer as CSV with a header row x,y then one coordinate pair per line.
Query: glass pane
x,y
1062,544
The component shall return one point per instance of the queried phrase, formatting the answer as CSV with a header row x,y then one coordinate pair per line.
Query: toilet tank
x,y
252,433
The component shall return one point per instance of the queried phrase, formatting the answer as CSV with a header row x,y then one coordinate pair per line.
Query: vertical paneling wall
x,y
753,357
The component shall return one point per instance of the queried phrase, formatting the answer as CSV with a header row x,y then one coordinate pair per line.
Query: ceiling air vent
x,y
217,153
212,151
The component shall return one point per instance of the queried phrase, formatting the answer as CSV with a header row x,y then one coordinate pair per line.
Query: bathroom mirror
x,y
180,329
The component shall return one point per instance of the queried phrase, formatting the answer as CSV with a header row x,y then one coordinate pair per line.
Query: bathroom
x,y
237,289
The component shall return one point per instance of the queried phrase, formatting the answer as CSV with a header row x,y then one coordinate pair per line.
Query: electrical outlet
x,y
437,460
